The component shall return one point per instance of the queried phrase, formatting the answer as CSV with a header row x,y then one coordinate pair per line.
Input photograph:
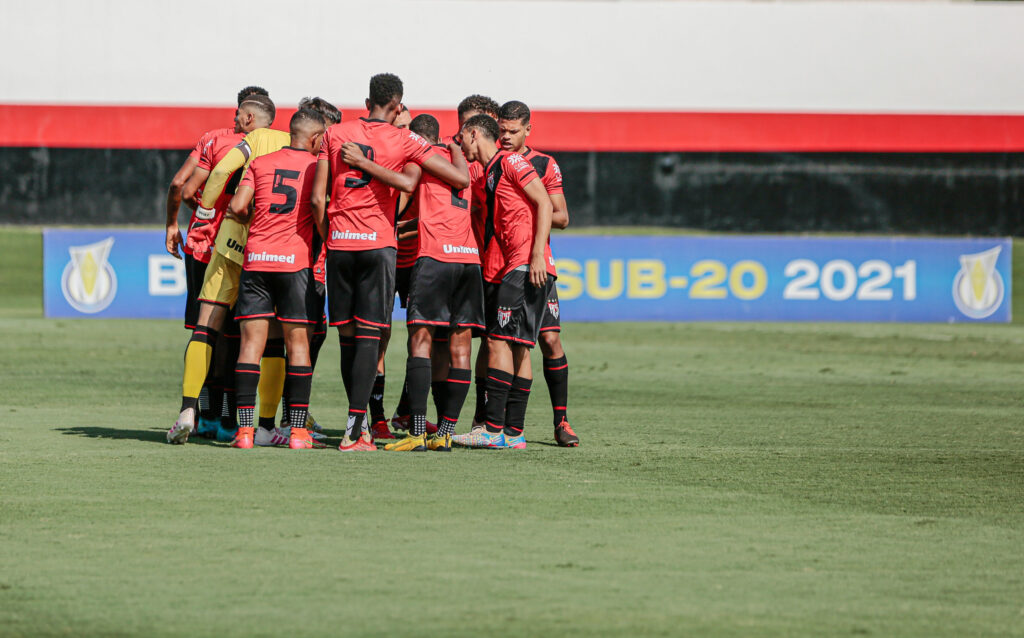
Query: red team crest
x,y
553,307
504,314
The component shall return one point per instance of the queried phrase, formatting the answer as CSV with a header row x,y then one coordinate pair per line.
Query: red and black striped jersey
x,y
509,227
551,176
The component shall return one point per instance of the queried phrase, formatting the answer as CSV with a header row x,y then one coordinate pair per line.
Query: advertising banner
x,y
124,273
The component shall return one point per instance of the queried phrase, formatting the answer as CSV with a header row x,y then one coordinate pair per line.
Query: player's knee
x,y
551,344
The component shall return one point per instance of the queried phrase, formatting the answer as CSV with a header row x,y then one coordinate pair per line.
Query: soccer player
x,y
197,246
516,236
277,280
403,119
406,256
359,227
219,289
472,105
445,291
514,127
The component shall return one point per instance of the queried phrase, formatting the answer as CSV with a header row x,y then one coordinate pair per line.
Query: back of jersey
x,y
445,225
361,213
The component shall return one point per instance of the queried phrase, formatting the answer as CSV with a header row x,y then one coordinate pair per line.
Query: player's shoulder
x,y
213,134
442,150
263,135
515,161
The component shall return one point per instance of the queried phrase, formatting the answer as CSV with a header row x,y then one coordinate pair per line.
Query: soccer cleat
x,y
379,430
478,426
400,422
317,436
564,435
208,427
482,439
516,442
440,443
243,438
408,444
179,432
225,435
271,438
312,425
300,439
363,444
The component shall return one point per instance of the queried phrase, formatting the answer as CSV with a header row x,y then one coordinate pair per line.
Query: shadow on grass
x,y
152,435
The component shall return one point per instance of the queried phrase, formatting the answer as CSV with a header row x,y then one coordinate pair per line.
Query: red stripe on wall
x,y
62,126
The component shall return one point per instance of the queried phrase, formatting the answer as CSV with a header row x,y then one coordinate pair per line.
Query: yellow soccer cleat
x,y
440,443
408,444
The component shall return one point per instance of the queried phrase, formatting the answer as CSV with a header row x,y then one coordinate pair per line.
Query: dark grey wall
x,y
948,193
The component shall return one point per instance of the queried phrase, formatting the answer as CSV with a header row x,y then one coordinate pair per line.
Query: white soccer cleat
x,y
477,427
179,432
272,438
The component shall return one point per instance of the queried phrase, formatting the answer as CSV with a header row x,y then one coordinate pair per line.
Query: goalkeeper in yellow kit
x,y
220,288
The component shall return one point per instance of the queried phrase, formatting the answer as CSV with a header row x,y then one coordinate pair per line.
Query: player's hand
x,y
352,155
456,146
173,240
538,271
205,213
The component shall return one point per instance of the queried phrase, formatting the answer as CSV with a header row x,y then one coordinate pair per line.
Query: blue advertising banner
x,y
119,273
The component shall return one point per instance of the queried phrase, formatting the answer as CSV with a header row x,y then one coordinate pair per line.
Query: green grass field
x,y
733,480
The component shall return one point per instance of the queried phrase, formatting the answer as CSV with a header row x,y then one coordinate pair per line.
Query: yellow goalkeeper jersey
x,y
262,141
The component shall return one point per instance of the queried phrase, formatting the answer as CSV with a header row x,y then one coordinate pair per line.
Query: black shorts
x,y
361,286
289,296
490,306
445,295
195,271
321,299
516,309
551,322
402,276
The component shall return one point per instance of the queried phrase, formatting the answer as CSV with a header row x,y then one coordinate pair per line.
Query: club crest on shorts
x,y
553,307
89,283
504,315
978,287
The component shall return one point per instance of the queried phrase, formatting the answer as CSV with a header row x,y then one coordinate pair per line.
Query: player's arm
x,y
538,195
405,181
455,172
238,207
560,212
318,198
193,185
221,173
174,240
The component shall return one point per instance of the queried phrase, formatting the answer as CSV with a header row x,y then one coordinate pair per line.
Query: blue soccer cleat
x,y
482,439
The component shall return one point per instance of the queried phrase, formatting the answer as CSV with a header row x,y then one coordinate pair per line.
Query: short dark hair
x,y
480,103
250,91
385,88
514,110
405,109
262,103
426,126
304,117
330,113
485,124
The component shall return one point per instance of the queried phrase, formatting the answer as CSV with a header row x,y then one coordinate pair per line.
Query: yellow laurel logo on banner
x,y
89,282
978,287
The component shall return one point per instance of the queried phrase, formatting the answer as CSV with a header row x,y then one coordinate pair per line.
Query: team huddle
x,y
347,214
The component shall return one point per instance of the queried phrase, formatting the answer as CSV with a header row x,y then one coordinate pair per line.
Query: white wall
x,y
802,56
